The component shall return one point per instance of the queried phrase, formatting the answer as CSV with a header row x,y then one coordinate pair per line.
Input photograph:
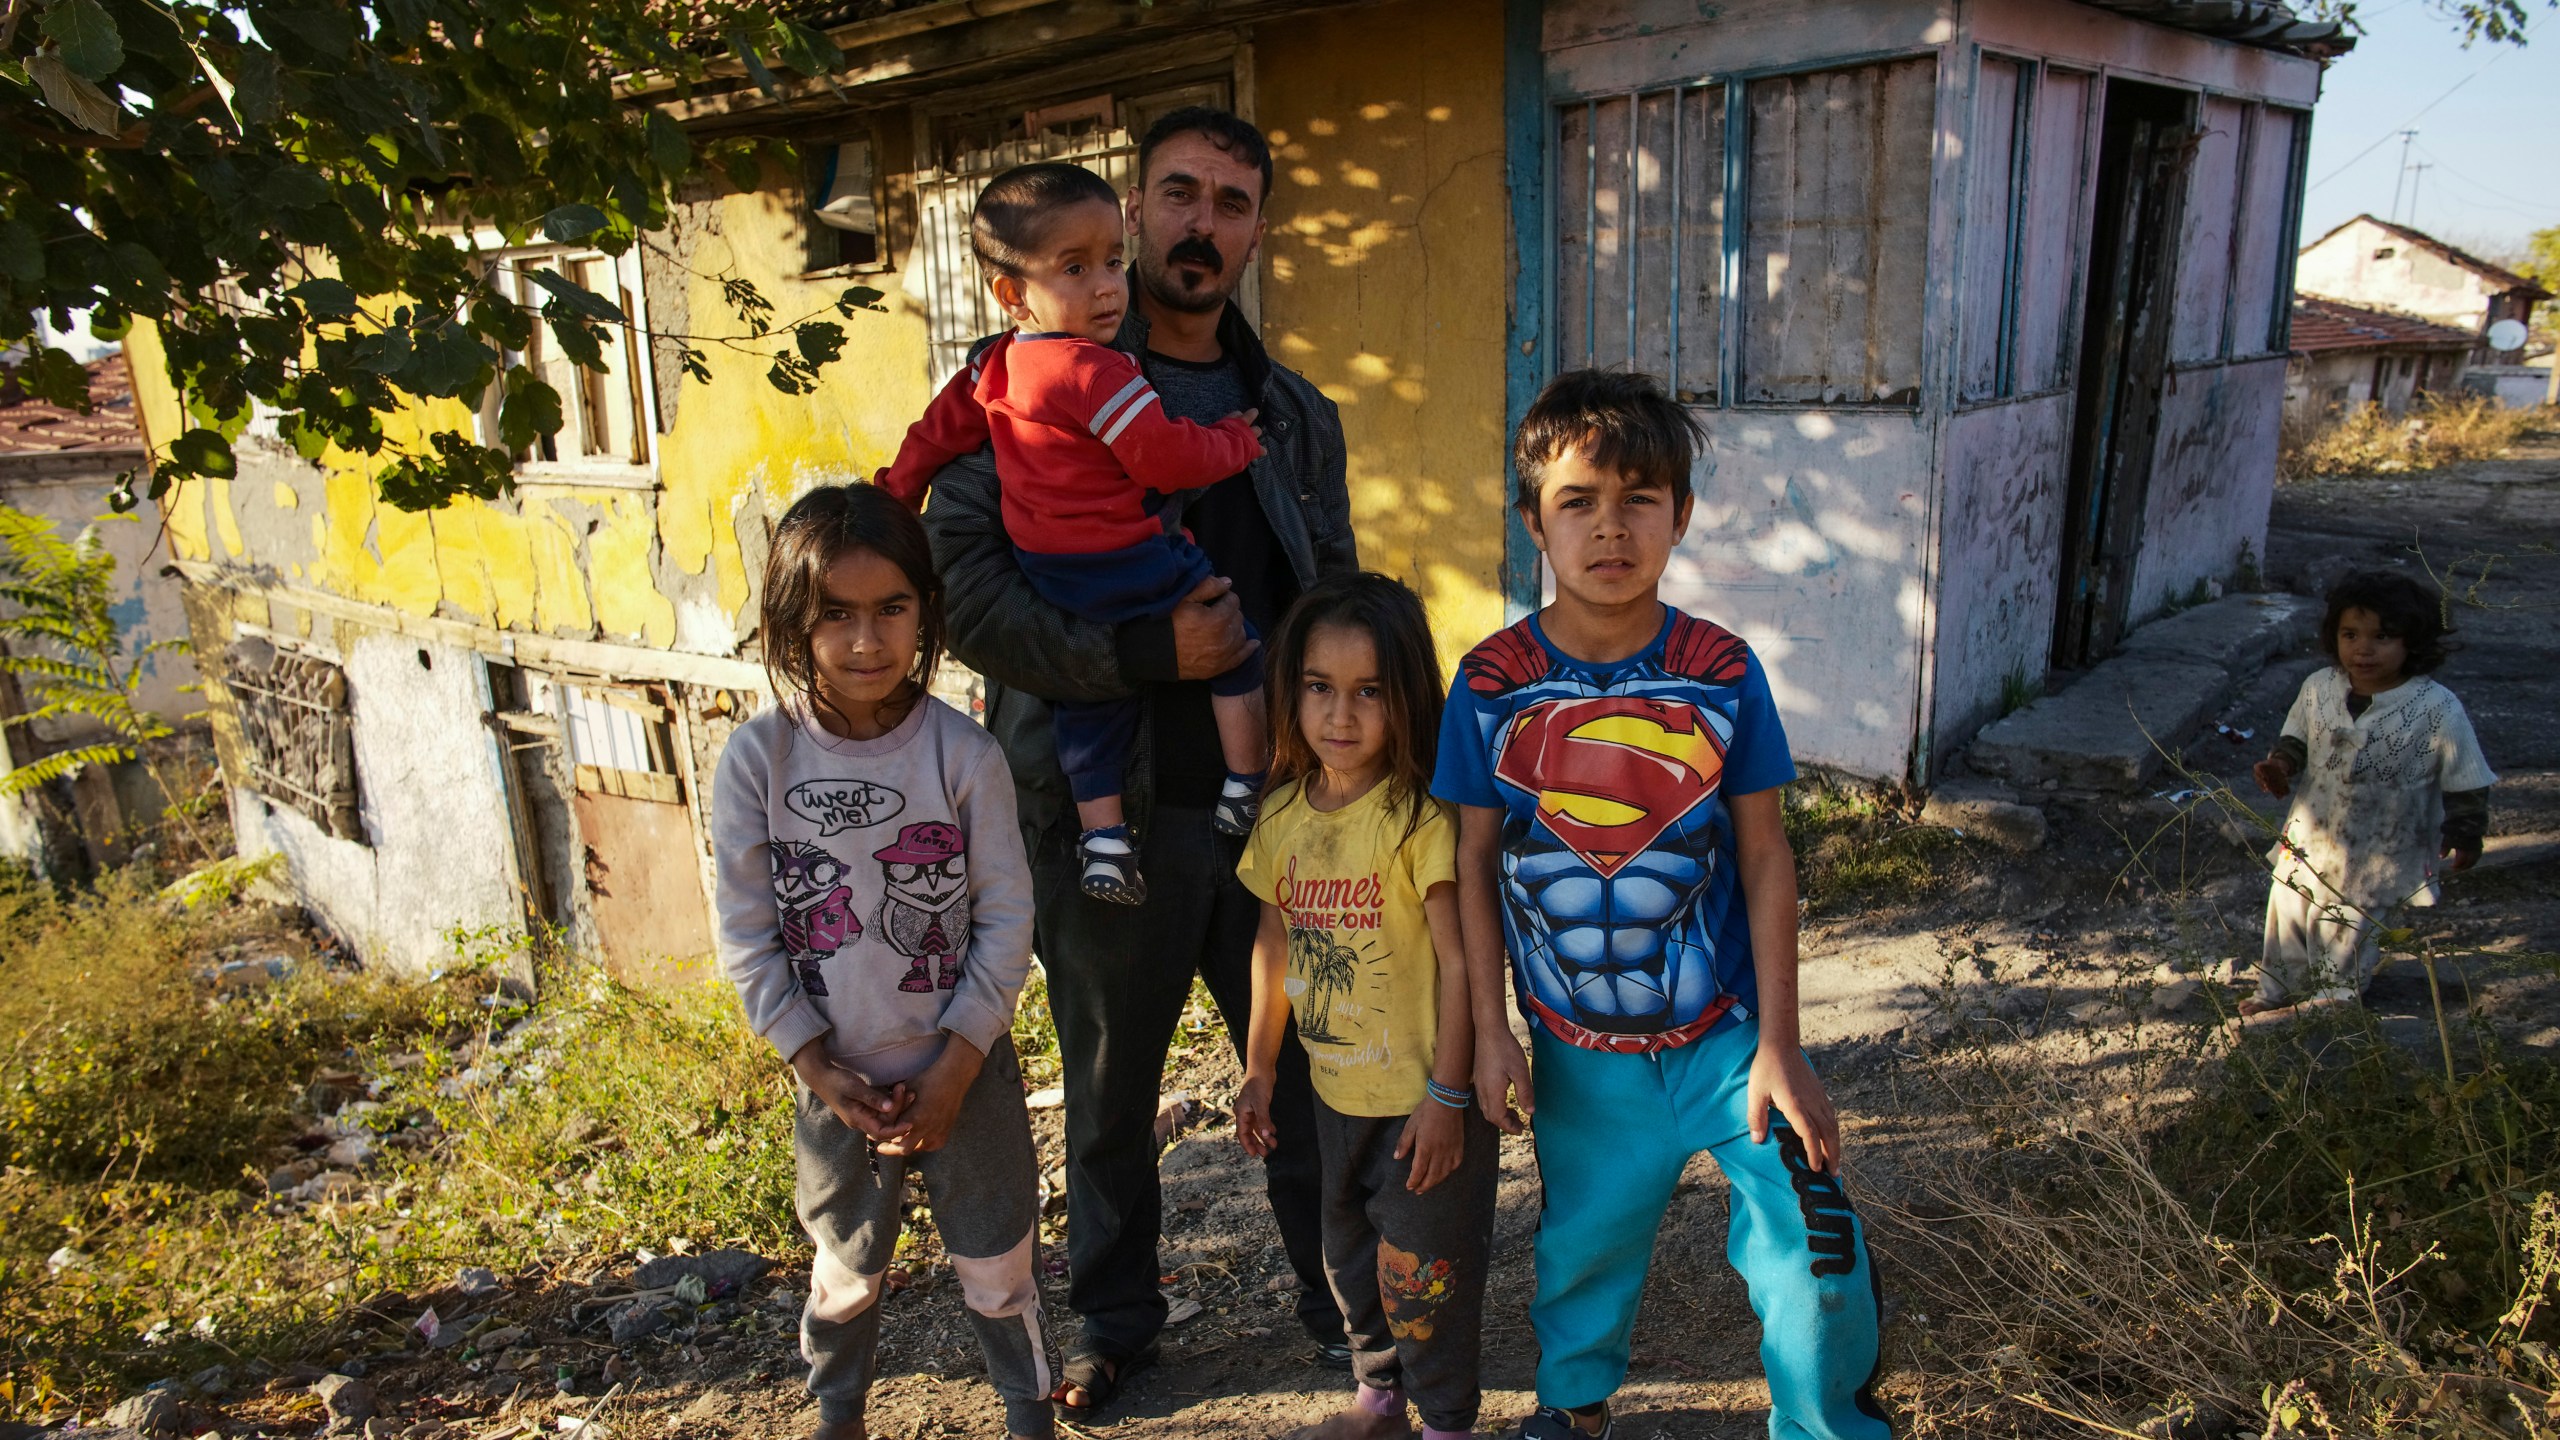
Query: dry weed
x,y
2438,430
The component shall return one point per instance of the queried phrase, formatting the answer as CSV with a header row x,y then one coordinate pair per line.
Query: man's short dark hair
x,y
1017,207
1621,422
2410,613
1235,136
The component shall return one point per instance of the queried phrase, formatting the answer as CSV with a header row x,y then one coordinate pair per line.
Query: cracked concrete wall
x,y
1385,281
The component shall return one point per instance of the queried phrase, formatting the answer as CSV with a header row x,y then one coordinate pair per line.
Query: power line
x,y
2385,137
2538,207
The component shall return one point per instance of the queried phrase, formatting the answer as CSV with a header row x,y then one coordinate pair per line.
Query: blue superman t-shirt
x,y
1621,907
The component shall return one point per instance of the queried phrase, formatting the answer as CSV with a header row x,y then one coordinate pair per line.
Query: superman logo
x,y
1611,774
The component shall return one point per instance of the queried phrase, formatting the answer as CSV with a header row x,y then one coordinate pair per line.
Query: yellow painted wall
x,y
1386,281
612,563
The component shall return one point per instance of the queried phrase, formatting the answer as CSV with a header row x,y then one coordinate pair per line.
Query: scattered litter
x,y
633,1319
720,1273
490,1342
348,1400
2236,737
1172,1113
428,1325
475,1281
2176,797
63,1259
1183,1312
1047,1099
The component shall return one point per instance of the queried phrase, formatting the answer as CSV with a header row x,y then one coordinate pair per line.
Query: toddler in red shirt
x,y
1088,460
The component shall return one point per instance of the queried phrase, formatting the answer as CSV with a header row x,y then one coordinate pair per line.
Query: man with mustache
x,y
1120,977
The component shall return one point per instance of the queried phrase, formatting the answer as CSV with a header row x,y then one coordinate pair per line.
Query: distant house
x,y
1984,306
59,464
2346,357
2374,262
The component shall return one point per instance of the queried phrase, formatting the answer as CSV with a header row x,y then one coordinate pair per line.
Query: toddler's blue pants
x,y
1613,1133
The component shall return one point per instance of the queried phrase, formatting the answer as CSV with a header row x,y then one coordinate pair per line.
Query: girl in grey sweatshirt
x,y
875,915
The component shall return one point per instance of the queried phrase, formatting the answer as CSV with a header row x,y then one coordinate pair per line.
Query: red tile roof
x,y
29,426
2322,325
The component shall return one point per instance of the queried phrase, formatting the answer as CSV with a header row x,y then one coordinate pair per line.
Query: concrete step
x,y
2115,727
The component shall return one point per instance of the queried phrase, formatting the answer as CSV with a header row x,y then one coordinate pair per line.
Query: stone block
x,y
2240,633
1986,812
2108,731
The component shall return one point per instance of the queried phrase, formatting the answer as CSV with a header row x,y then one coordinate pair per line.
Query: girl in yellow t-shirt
x,y
1356,867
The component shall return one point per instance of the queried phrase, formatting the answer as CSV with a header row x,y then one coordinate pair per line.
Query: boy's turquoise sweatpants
x,y
1613,1133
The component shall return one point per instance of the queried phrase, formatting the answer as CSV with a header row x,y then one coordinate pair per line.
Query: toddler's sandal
x,y
1111,876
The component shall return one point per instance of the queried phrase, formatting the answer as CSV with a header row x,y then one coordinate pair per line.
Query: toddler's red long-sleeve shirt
x,y
1079,438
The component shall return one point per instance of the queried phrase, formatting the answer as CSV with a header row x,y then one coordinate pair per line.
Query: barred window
x,y
1640,236
299,733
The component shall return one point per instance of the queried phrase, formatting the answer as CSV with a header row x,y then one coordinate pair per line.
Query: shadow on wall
x,y
1387,280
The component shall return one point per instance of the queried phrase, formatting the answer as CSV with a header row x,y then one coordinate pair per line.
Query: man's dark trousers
x,y
1119,978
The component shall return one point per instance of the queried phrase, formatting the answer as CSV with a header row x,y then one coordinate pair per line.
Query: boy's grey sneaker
x,y
1553,1422
1110,867
1235,812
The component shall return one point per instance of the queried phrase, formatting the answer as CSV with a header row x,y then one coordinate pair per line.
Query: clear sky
x,y
2493,143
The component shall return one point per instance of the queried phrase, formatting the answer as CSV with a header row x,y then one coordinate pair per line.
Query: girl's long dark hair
x,y
1408,679
818,528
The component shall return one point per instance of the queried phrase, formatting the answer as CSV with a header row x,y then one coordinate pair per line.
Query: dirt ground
x,y
2074,937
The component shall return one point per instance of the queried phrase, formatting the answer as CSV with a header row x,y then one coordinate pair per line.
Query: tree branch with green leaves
x,y
291,191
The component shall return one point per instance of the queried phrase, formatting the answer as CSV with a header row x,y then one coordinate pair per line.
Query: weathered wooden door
x,y
2146,142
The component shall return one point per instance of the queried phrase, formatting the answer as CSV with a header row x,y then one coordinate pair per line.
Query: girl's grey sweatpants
x,y
983,1185
1409,1270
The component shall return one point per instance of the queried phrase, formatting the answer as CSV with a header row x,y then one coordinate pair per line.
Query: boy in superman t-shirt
x,y
1616,765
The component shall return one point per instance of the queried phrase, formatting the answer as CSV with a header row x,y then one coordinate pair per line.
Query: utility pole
x,y
2417,177
2407,139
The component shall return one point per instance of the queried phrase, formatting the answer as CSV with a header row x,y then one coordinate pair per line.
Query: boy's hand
x,y
2274,776
936,1103
1502,1067
1254,1130
1785,1079
1436,1139
2462,859
1252,421
851,1099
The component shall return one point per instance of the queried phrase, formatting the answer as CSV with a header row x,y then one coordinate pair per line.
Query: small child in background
x,y
1356,866
875,915
2391,786
1087,459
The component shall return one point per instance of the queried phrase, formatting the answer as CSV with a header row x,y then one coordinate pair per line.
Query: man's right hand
x,y
1208,631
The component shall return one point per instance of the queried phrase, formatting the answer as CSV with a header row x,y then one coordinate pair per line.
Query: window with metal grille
x,y
1639,236
1835,234
298,731
965,151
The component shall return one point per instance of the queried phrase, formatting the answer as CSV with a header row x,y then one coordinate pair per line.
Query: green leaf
x,y
530,411
807,51
143,279
668,147
577,298
757,71
446,360
21,252
296,187
87,35
72,94
254,70
204,452
581,342
326,299
820,341
51,374
570,221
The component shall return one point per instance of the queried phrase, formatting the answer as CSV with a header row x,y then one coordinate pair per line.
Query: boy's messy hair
x,y
1619,421
1017,207
2410,613
818,528
1230,133
1408,678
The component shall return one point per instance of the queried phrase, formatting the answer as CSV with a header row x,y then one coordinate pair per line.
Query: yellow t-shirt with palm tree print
x,y
1363,981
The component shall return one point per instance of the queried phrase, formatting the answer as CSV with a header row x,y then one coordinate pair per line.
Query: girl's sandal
x,y
1100,1377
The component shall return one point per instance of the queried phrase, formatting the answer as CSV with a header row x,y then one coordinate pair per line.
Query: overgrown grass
x,y
2438,430
1856,845
2321,1230
137,1236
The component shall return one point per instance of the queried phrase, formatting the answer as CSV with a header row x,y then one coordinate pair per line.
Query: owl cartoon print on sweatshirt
x,y
925,915
816,908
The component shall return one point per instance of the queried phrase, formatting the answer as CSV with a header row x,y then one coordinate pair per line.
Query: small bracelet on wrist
x,y
1448,1095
